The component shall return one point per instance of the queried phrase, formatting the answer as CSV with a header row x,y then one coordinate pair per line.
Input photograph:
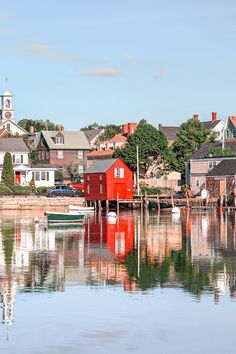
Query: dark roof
x,y
169,132
210,124
224,168
200,153
100,166
13,145
92,133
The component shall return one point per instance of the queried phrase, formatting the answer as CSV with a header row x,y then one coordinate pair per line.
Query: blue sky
x,y
78,62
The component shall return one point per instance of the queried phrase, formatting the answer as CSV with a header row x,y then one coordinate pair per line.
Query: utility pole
x,y
138,189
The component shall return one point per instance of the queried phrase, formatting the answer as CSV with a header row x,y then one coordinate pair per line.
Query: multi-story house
x,y
23,171
230,129
64,150
201,163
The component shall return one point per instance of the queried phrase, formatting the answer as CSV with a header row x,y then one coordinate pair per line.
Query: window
x,y
7,103
88,189
17,158
59,140
43,176
119,172
211,164
21,159
100,177
234,133
81,169
37,176
88,178
100,188
13,159
80,154
47,176
60,154
47,155
8,127
43,155
198,183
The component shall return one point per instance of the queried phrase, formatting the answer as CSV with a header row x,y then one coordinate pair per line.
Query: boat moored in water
x,y
64,218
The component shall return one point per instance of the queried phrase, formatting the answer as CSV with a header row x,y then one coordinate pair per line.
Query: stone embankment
x,y
37,202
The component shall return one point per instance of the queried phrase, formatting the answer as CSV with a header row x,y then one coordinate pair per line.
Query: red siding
x,y
111,186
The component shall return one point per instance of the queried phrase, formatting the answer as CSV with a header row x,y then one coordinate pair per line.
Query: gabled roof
x,y
13,145
92,133
119,138
4,123
233,121
169,132
224,168
200,153
73,140
211,124
101,166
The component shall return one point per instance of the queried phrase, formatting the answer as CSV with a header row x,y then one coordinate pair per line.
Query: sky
x,y
77,62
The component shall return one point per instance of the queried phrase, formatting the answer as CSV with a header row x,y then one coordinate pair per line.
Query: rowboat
x,y
81,209
63,218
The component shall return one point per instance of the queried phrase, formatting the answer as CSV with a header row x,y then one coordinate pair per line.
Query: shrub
x,y
5,189
20,189
150,190
7,170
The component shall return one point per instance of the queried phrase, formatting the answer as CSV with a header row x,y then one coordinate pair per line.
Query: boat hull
x,y
64,218
81,209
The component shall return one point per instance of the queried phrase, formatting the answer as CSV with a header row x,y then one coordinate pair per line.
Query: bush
x,y
20,189
150,190
5,189
7,170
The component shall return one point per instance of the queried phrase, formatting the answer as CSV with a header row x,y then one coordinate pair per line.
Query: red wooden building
x,y
108,180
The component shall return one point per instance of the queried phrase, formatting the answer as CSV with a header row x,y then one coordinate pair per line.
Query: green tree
x,y
191,136
92,126
153,150
109,131
38,124
7,171
215,152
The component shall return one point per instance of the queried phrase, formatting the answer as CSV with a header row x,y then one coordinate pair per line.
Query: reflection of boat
x,y
81,209
60,217
111,216
66,227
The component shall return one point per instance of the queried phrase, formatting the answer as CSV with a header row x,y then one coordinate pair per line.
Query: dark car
x,y
64,191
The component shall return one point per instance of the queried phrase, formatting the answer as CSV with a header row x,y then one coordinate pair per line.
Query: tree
x,y
7,171
215,152
92,126
191,136
109,132
40,124
153,149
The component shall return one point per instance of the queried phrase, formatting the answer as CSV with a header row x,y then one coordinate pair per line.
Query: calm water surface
x,y
159,284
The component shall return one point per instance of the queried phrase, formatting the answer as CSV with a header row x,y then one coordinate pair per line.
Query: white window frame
x,y
80,154
119,172
60,154
100,188
59,140
88,188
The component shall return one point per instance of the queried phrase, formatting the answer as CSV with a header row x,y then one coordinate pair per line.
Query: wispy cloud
x,y
103,72
49,52
128,57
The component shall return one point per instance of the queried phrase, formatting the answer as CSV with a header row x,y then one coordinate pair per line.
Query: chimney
x,y
196,116
160,125
213,116
31,130
60,127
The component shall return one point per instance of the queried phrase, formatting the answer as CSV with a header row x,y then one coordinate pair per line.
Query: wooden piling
x,y
107,206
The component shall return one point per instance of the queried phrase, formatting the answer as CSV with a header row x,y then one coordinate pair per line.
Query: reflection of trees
x,y
146,273
193,277
8,240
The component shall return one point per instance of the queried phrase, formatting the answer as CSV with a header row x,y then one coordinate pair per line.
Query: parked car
x,y
65,191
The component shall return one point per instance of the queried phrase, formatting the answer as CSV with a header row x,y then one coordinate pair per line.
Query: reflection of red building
x,y
107,245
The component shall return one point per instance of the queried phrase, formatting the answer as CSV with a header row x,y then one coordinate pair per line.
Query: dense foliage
x,y
153,151
7,171
110,131
191,136
215,152
38,125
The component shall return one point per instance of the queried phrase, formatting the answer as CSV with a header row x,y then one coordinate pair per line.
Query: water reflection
x,y
193,251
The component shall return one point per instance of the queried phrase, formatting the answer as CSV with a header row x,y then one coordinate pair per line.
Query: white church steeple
x,y
7,111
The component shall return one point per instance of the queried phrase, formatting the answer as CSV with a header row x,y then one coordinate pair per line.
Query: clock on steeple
x,y
7,111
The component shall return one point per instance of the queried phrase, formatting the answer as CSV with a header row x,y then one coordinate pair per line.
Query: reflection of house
x,y
108,180
64,150
22,170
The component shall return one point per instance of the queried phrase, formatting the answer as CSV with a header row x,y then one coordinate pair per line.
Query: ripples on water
x,y
136,266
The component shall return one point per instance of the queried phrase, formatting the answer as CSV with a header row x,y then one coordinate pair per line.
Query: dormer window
x,y
59,140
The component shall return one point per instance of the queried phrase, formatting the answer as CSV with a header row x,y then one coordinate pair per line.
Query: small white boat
x,y
81,209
